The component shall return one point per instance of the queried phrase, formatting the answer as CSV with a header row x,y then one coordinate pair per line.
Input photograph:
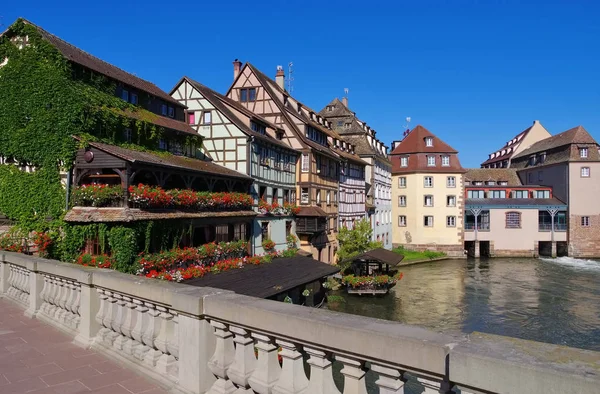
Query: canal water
x,y
547,300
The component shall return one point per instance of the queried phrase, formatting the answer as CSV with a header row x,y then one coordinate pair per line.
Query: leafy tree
x,y
356,241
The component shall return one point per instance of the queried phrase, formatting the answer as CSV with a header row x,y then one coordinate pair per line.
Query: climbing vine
x,y
46,100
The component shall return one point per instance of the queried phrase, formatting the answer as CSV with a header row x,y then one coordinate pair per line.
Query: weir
x,y
205,340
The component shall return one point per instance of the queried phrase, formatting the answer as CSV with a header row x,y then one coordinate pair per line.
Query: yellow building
x,y
427,195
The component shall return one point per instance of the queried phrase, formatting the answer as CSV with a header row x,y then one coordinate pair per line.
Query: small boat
x,y
372,272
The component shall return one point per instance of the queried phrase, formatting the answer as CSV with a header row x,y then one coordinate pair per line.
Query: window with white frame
x,y
428,181
451,181
445,161
401,201
428,141
430,161
402,182
513,220
475,194
542,194
428,221
304,196
450,201
585,172
521,194
585,221
450,221
207,117
305,162
583,153
401,221
497,194
428,200
404,161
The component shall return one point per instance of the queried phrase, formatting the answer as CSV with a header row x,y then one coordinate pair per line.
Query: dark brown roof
x,y
509,146
339,110
380,255
112,215
311,211
222,103
169,123
576,135
493,174
514,202
363,148
168,160
415,143
78,56
268,280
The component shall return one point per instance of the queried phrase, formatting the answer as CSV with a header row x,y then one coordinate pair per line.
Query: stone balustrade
x,y
204,340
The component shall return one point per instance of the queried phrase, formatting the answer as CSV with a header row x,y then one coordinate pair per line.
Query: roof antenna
x,y
406,126
290,77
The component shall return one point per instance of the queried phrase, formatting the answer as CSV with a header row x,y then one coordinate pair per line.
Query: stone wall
x,y
584,241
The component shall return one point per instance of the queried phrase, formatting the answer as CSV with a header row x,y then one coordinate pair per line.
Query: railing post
x,y
4,274
196,347
222,359
292,379
435,386
267,367
36,284
89,305
321,373
244,361
391,381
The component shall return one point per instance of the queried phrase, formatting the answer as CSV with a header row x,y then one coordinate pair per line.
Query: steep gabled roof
x,y
78,56
223,104
339,110
362,146
508,148
576,135
415,143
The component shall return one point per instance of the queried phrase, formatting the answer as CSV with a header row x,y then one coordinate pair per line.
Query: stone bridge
x,y
187,339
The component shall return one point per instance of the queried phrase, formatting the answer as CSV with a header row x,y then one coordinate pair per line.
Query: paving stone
x,y
138,385
65,388
105,379
67,376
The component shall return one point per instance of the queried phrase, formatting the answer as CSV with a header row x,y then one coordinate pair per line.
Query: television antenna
x,y
290,77
407,126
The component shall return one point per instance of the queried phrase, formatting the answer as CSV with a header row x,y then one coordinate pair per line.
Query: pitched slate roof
x,y
78,56
171,161
339,110
509,147
362,147
267,280
493,174
576,135
114,215
415,143
223,104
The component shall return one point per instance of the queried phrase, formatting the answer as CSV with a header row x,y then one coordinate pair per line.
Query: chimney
x,y
345,101
237,66
280,77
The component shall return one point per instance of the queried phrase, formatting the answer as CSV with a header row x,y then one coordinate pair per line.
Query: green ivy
x,y
123,242
44,101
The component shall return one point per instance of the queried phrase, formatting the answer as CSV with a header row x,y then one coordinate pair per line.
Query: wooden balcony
x,y
310,225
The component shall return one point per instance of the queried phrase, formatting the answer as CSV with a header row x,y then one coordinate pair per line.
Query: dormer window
x,y
532,160
404,161
279,135
299,108
347,125
171,112
133,98
428,141
257,127
329,108
583,153
430,161
445,161
125,95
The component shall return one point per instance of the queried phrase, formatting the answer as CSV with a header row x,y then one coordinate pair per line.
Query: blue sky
x,y
475,73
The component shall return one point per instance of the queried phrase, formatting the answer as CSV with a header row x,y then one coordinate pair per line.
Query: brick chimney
x,y
345,101
280,77
237,66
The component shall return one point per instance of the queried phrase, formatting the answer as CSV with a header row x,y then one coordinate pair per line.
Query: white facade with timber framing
x,y
243,141
318,171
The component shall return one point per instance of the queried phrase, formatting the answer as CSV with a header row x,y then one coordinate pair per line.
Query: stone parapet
x,y
204,340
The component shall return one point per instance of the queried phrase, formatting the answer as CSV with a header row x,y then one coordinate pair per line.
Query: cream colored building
x,y
427,194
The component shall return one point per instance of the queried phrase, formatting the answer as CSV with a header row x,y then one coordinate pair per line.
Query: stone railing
x,y
203,340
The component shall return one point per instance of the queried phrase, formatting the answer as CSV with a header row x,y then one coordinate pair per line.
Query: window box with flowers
x,y
375,284
288,209
268,245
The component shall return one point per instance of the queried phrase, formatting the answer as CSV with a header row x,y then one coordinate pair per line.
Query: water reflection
x,y
556,301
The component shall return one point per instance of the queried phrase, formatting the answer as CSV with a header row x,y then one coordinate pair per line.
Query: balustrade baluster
x,y
109,318
101,315
62,299
44,296
267,369
391,381
138,331
173,336
321,373
70,305
354,375
77,306
117,323
293,379
244,360
222,359
51,309
128,325
149,336
11,279
435,386
166,361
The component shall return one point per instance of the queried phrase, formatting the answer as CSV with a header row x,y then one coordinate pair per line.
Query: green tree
x,y
356,241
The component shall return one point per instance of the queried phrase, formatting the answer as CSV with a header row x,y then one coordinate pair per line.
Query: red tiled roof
x,y
111,215
576,135
415,143
83,58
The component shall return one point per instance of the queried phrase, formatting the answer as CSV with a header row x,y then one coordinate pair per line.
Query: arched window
x,y
513,220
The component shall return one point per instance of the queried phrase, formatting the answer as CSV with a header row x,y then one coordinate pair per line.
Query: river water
x,y
547,300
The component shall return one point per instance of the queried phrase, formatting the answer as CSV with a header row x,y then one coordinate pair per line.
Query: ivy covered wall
x,y
46,100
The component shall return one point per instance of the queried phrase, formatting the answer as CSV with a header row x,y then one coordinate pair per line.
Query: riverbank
x,y
417,257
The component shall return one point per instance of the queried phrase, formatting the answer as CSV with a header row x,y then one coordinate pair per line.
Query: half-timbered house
x,y
318,171
241,140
